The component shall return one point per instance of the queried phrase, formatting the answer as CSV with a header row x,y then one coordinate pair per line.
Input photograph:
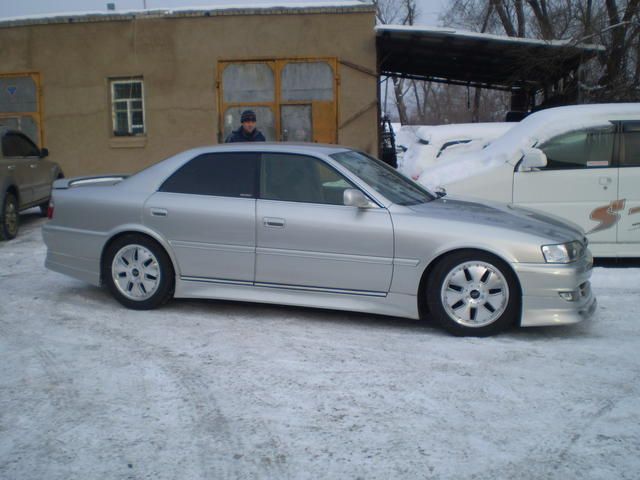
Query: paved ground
x,y
218,390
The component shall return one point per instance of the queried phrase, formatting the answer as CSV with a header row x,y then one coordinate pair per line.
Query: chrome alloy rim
x,y
475,294
11,218
135,272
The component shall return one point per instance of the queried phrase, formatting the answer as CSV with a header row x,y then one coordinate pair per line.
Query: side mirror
x,y
44,152
440,192
533,158
355,198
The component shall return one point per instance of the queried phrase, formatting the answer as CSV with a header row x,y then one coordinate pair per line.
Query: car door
x,y
579,183
18,166
39,170
629,188
308,239
206,211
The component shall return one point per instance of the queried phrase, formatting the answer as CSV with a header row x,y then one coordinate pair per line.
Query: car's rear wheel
x,y
473,293
138,272
9,217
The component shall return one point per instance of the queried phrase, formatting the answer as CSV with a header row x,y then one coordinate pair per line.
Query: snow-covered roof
x,y
482,60
421,29
438,134
249,8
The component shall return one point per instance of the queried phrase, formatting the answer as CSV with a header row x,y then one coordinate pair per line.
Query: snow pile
x,y
431,138
405,134
440,134
531,131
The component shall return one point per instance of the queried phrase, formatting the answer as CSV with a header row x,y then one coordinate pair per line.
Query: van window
x,y
588,148
631,142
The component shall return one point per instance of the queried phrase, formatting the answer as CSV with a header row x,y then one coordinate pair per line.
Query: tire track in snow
x,y
210,425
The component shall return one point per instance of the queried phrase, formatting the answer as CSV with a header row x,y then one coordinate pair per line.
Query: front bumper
x,y
542,285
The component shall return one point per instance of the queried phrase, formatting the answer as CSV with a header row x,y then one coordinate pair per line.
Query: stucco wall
x,y
177,57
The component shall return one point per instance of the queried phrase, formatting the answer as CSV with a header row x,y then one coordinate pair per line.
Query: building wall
x,y
177,58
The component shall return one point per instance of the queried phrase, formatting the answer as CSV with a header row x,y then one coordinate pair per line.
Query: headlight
x,y
563,252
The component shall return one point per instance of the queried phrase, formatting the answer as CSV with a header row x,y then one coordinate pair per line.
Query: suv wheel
x,y
9,219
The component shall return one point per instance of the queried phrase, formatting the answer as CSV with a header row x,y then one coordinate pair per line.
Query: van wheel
x,y
138,272
9,217
473,293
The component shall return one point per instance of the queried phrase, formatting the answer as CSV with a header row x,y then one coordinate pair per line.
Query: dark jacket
x,y
240,135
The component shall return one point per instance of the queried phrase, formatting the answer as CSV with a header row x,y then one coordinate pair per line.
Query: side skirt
x,y
400,305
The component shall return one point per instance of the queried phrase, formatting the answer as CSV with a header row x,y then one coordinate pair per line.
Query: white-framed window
x,y
127,106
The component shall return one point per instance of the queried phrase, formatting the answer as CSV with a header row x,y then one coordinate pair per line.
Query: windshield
x,y
383,179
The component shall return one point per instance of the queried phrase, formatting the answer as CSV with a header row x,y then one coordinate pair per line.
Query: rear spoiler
x,y
65,183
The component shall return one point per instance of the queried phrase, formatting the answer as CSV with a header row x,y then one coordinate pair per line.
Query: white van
x,y
581,163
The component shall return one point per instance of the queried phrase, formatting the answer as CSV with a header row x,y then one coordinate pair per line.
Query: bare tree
x,y
403,12
612,23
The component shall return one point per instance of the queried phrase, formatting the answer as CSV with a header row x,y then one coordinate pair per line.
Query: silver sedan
x,y
317,226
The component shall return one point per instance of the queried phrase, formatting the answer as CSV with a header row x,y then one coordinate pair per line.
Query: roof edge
x,y
275,8
409,30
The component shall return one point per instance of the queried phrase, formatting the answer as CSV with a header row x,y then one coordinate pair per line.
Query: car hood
x,y
500,215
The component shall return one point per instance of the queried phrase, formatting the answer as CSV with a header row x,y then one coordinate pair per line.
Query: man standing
x,y
247,131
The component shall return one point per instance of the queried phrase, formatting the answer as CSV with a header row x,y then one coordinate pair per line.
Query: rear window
x,y
216,174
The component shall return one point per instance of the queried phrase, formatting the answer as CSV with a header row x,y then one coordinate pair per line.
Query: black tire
x,y
473,293
136,287
9,217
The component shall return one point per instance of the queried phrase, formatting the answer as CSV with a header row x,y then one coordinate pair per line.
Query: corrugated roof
x,y
271,8
476,59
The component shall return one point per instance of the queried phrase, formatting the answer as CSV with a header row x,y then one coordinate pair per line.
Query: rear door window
x,y
631,145
216,174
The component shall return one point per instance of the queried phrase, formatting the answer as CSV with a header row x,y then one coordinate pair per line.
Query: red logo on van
x,y
607,215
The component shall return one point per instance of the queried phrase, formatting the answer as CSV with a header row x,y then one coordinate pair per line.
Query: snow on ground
x,y
221,390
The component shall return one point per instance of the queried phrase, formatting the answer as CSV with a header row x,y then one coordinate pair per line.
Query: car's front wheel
x,y
9,217
138,272
473,293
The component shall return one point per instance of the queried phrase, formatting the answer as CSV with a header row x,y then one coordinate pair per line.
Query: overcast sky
x,y
429,9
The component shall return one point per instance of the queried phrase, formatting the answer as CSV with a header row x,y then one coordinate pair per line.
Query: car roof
x,y
156,173
292,147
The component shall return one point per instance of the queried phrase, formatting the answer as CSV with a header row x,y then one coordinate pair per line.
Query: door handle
x,y
273,222
605,180
159,212
34,165
11,167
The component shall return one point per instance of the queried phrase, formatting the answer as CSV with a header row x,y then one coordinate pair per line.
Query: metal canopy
x,y
479,60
